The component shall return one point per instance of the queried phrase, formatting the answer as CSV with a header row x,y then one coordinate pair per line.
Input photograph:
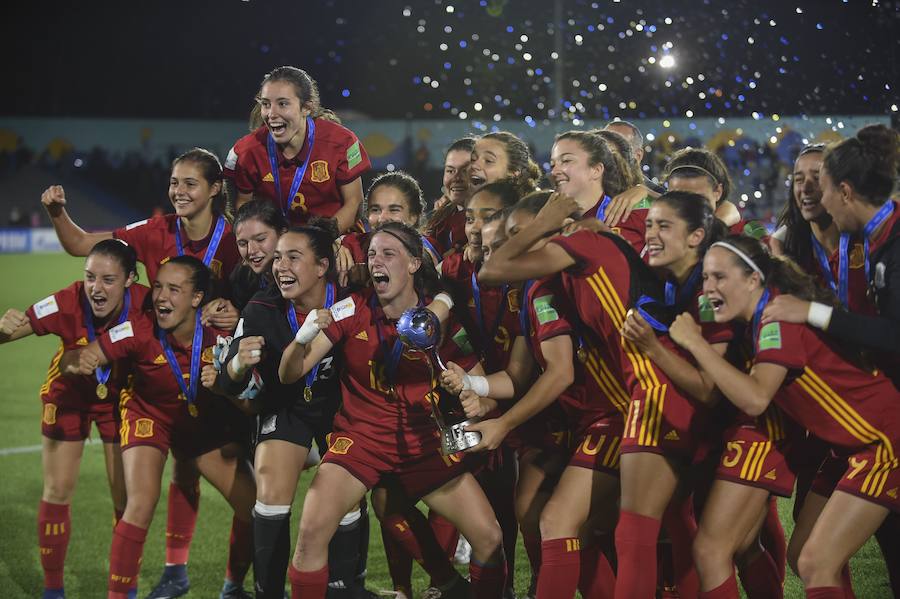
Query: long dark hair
x,y
426,279
797,241
263,211
406,185
321,232
869,161
616,177
696,212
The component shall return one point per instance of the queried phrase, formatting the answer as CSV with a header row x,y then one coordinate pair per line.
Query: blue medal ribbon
x,y
757,315
479,313
292,319
873,224
429,247
393,356
298,174
676,296
524,316
825,266
102,372
601,209
189,390
213,241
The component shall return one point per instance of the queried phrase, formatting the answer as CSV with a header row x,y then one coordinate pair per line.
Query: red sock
x,y
772,537
54,527
240,550
488,580
726,590
597,578
760,578
636,537
399,562
825,593
847,582
682,528
532,545
560,567
418,539
125,557
180,523
446,534
308,585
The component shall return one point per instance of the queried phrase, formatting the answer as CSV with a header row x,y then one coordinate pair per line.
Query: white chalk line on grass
x,y
36,448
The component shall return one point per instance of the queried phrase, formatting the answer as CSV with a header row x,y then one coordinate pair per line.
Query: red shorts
x,y
64,422
756,454
866,474
547,431
416,476
597,448
661,420
186,435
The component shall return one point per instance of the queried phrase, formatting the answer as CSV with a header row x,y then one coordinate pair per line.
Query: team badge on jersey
x,y
46,307
857,256
319,172
770,336
341,445
49,415
143,428
207,355
343,309
512,300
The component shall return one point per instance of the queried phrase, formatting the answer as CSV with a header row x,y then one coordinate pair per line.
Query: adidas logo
x,y
362,336
160,359
672,436
269,178
771,474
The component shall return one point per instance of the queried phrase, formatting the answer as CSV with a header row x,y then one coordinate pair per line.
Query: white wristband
x,y
477,384
308,330
819,315
445,299
236,365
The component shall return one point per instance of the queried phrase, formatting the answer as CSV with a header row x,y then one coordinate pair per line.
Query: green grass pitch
x,y
27,279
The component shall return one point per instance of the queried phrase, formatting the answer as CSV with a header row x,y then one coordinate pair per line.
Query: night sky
x,y
456,59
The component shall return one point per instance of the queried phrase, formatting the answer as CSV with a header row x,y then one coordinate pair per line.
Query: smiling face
x,y
387,204
456,176
295,266
805,185
189,191
256,244
483,205
702,185
519,219
834,200
174,298
669,243
105,282
493,234
282,112
391,267
490,163
730,290
571,172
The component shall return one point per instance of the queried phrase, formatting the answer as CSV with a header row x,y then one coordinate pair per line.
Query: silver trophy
x,y
420,330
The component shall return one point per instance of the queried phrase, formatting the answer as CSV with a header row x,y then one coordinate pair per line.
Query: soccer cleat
x,y
232,591
170,587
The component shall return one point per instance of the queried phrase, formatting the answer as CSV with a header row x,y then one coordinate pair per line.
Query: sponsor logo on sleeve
x,y
231,160
136,224
543,308
354,156
343,309
122,331
770,336
461,339
46,307
705,309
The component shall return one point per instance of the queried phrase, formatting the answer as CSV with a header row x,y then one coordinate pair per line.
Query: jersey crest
x,y
319,172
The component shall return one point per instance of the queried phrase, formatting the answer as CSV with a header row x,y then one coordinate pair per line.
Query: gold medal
x,y
102,391
582,355
192,410
307,394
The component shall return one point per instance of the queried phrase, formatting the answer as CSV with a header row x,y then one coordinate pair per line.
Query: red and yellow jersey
x,y
836,400
154,384
451,232
154,242
338,158
401,421
62,314
632,229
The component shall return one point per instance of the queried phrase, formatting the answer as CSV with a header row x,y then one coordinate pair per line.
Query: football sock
x,y
54,528
597,578
343,556
560,568
636,537
181,520
726,590
488,580
308,585
271,549
240,550
760,578
125,557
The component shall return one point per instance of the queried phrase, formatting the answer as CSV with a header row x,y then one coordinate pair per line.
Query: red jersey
x,y
857,286
338,158
837,401
451,232
584,401
62,314
494,317
154,242
401,422
154,386
632,229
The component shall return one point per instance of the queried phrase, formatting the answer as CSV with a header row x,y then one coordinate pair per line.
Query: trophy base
x,y
454,438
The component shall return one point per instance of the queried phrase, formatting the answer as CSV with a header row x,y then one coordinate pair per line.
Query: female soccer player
x,y
107,297
602,275
701,171
167,409
300,157
821,387
384,426
290,417
502,155
257,226
446,223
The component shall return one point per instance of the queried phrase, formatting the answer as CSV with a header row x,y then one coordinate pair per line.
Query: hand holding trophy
x,y
420,330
